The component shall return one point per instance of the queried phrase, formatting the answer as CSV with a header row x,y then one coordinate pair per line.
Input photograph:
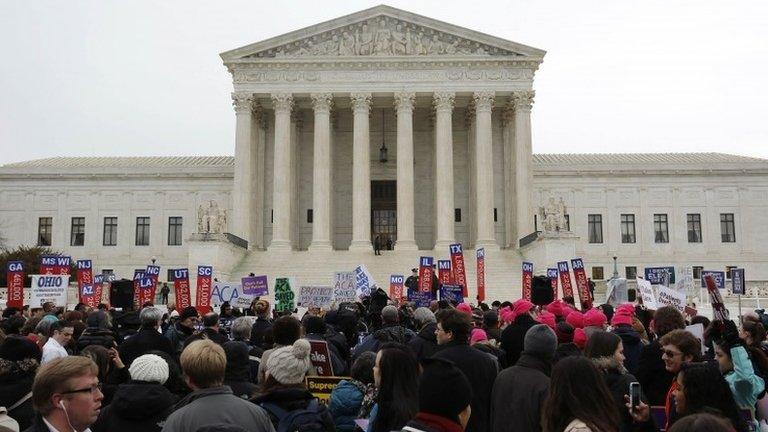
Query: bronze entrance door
x,y
384,213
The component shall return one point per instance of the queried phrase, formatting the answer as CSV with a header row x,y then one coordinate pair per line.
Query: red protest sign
x,y
527,280
15,281
719,312
204,283
480,274
425,274
181,288
552,275
581,282
321,357
565,278
396,283
459,270
444,272
84,275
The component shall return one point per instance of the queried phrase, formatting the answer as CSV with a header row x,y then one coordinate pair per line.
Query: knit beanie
x,y
540,341
289,365
623,315
580,338
557,308
506,315
522,306
547,318
477,335
188,312
575,319
444,390
149,368
464,308
595,318
564,332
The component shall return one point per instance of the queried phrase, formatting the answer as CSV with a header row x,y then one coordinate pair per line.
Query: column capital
x,y
484,100
443,100
508,113
322,102
361,102
242,102
282,102
405,100
523,99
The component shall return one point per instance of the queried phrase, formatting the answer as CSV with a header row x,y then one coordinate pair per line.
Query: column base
x,y
280,246
361,246
320,246
487,244
444,245
406,245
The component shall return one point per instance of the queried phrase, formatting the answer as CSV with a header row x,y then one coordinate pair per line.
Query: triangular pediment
x,y
382,31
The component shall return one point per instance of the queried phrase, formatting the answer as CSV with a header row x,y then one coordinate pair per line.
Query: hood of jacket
x,y
347,397
535,362
428,332
609,365
137,400
628,335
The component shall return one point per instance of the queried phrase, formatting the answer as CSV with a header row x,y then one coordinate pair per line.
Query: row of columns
x,y
361,178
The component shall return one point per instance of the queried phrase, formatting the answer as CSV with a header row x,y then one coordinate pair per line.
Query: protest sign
x,y
684,281
396,283
646,293
344,289
322,386
698,331
146,290
565,278
98,287
231,292
660,275
738,283
152,272
481,274
255,286
459,270
719,312
671,297
451,293
580,274
718,277
552,275
425,274
138,274
420,298
49,288
320,356
14,277
284,297
84,273
181,288
527,280
444,271
364,281
617,291
88,295
48,264
203,289
315,296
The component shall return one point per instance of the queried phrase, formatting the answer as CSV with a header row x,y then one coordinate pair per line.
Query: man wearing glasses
x,y
61,333
66,395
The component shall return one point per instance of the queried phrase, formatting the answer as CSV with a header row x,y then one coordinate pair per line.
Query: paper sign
x,y
255,286
344,289
364,281
181,288
646,293
204,282
49,288
717,276
738,283
420,298
316,296
660,275
457,264
321,357
396,284
14,277
527,280
670,297
322,386
451,293
284,296
580,274
88,295
698,331
231,292
444,274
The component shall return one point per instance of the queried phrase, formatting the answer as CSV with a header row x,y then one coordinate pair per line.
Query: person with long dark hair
x,y
702,388
396,374
577,399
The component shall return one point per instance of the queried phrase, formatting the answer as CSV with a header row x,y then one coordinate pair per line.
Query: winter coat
x,y
393,333
745,385
513,336
338,340
238,371
146,340
425,422
216,405
259,331
424,345
214,335
497,354
633,346
480,370
96,336
136,406
15,383
290,399
519,394
653,375
177,334
345,402
617,378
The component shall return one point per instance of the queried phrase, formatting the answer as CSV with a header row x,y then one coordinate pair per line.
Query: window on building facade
x,y
628,228
77,232
457,215
727,228
110,231
169,276
728,271
310,215
174,230
660,228
142,231
567,222
697,272
44,231
598,273
595,228
630,272
694,227
495,215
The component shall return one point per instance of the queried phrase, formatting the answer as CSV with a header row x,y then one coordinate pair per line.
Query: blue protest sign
x,y
420,299
658,275
738,283
451,293
717,276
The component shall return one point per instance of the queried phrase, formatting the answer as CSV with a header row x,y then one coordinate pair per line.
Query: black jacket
x,y
424,345
519,394
480,370
261,333
238,371
513,336
15,383
137,407
653,375
617,378
96,336
146,340
290,399
633,346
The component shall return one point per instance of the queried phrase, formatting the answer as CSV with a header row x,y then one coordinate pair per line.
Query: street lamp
x,y
383,150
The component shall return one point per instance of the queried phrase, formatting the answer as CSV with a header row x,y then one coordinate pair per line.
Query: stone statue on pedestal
x,y
553,216
211,219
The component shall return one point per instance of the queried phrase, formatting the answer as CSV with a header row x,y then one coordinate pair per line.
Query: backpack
x,y
309,419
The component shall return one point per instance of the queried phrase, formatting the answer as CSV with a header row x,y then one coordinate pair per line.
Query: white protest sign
x,y
49,288
671,297
698,331
231,292
344,289
616,291
317,296
646,293
364,281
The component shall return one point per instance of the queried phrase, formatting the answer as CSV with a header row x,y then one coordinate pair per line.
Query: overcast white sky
x,y
144,77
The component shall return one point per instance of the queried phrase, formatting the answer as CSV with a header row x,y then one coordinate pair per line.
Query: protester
x,y
424,345
702,422
652,373
241,332
285,331
226,318
112,370
678,348
491,325
478,339
513,336
19,361
621,324
211,328
164,291
354,398
182,329
577,399
395,372
412,282
594,320
520,391
261,330
75,317
211,402
438,413
453,331
147,339
391,331
60,335
238,372
97,332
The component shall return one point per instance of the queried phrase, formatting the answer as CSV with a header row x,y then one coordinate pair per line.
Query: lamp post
x,y
383,150
615,268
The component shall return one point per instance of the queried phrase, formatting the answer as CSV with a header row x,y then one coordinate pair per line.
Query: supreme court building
x,y
390,125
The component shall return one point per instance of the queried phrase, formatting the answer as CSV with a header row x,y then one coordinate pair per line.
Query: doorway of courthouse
x,y
384,213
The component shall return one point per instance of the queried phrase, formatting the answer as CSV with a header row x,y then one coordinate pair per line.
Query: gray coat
x,y
519,394
217,405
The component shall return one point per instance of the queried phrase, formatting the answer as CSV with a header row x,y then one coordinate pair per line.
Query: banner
x,y
718,277
565,279
344,289
660,275
670,297
451,293
719,312
425,274
552,275
63,264
645,290
420,299
481,274
49,288
230,292
581,282
88,295
738,283
48,264
459,271
138,275
320,356
364,281
203,289
152,272
14,276
444,271
284,297
396,287
146,291
527,280
84,275
315,296
98,287
181,288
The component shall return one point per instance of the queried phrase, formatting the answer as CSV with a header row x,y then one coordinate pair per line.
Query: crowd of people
x,y
448,367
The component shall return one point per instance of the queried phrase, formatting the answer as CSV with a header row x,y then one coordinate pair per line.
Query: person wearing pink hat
x,y
513,336
464,308
547,318
575,319
580,338
621,322
478,339
594,319
557,308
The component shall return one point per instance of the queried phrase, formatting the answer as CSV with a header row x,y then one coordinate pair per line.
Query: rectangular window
x,y
44,231
142,231
110,231
567,222
597,273
697,272
660,228
595,228
728,271
77,232
495,215
457,215
628,228
174,230
694,227
169,277
727,228
630,272
310,216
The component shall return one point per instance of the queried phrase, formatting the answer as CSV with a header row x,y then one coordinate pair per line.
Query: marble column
x,y
281,195
443,102
321,178
508,138
406,239
245,163
486,235
361,173
522,102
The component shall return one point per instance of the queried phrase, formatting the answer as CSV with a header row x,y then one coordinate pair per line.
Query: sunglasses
x,y
92,389
670,353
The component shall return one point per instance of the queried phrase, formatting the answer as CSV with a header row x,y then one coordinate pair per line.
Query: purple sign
x,y
255,286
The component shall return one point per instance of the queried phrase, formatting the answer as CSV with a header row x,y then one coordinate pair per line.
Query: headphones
x,y
61,404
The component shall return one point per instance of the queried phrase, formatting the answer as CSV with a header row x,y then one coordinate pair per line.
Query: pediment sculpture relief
x,y
383,36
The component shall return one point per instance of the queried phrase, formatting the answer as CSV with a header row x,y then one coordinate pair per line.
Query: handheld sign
x,y
344,290
718,277
719,312
420,299
15,280
660,275
527,280
672,297
396,284
738,283
451,293
49,288
203,287
444,271
364,281
255,286
181,288
284,297
84,274
552,275
565,278
63,264
425,274
320,356
481,274
316,296
459,270
581,282
322,386
646,293
231,292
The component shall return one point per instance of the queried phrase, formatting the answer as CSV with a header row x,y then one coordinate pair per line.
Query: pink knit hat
x,y
506,315
595,318
465,308
575,319
623,315
580,338
478,335
547,318
522,306
557,307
